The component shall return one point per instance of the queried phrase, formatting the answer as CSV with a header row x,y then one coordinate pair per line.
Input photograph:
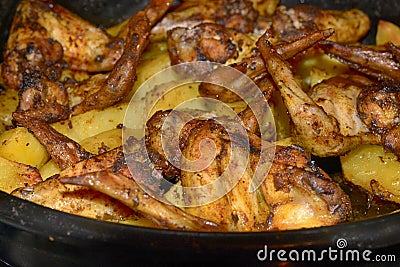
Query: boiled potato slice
x,y
14,175
21,146
374,170
387,32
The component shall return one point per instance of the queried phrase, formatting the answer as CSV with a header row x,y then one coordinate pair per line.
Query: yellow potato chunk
x,y
14,175
387,32
374,170
21,146
93,122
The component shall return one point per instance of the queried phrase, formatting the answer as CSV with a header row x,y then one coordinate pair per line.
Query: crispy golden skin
x,y
238,15
296,193
342,112
313,128
300,194
254,67
350,26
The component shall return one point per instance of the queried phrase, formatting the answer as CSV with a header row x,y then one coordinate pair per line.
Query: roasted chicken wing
x,y
341,113
350,26
236,14
42,94
313,128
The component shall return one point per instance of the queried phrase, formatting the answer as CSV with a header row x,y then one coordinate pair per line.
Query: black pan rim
x,y
41,223
69,228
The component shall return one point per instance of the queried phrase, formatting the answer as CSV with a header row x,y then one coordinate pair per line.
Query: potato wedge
x,y
91,123
49,169
387,32
374,170
21,146
14,175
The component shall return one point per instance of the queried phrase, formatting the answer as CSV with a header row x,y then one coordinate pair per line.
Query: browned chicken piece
x,y
42,98
380,62
77,200
43,34
379,106
100,90
168,156
341,112
238,209
303,188
391,140
379,109
235,14
300,194
129,193
338,97
153,139
120,80
314,129
206,41
109,174
254,66
296,193
45,37
112,175
350,26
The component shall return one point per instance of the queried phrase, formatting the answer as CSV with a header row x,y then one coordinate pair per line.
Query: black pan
x,y
32,235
